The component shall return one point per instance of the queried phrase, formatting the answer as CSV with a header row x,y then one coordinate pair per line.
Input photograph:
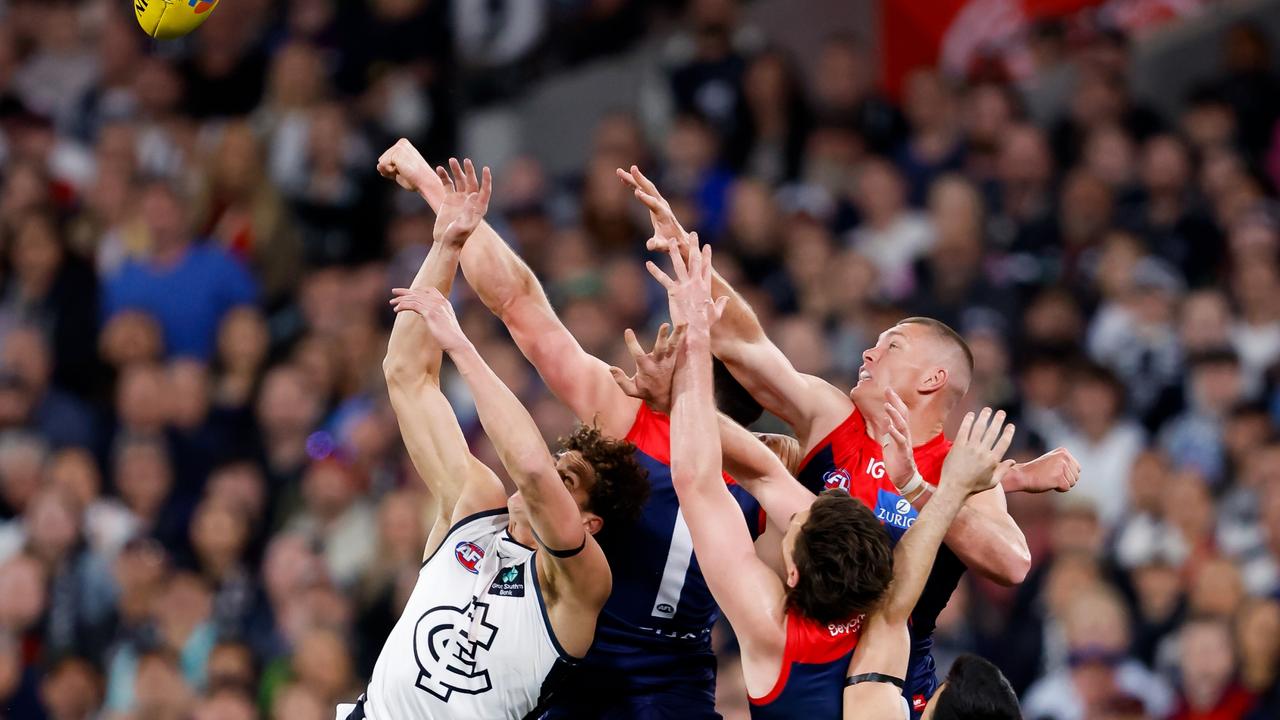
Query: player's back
x,y
652,654
810,682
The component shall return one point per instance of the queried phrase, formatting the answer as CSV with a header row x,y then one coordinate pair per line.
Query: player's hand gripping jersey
x,y
848,458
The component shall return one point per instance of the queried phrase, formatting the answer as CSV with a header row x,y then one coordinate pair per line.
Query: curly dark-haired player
x,y
511,588
652,656
928,366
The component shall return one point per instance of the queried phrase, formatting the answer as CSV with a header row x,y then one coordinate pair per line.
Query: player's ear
x,y
592,522
793,575
935,380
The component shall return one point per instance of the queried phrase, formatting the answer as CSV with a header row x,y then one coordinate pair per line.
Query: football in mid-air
x,y
167,19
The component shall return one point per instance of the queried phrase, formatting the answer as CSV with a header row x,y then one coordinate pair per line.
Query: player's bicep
x,y
798,399
578,379
586,572
481,490
433,439
745,588
884,649
874,701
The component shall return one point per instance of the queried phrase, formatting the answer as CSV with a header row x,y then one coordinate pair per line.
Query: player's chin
x,y
865,389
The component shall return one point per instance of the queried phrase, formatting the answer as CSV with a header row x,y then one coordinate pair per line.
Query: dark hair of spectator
x,y
976,690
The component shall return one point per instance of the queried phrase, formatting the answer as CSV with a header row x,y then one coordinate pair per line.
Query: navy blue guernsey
x,y
653,636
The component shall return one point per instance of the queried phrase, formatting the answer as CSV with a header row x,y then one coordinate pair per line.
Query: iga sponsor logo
x,y
469,556
875,468
895,511
837,479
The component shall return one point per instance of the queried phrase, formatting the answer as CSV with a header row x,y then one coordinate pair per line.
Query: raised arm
x,y
510,290
973,465
984,536
430,430
748,592
810,405
753,465
554,515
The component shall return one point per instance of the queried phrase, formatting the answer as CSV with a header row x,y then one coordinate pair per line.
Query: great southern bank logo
x,y
895,511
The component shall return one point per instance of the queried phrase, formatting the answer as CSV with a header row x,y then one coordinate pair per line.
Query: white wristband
x,y
913,487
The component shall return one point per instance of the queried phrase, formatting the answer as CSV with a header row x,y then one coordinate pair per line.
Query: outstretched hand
x,y
899,451
436,311
974,463
654,370
689,294
466,200
403,163
667,230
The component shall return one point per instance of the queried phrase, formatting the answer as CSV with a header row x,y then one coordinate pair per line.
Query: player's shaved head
x,y
959,362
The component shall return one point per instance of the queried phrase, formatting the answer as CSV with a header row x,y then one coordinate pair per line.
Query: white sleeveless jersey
x,y
474,640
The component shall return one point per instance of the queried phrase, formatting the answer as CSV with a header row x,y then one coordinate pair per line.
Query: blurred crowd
x,y
205,508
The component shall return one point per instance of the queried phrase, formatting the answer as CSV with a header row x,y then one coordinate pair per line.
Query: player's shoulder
x,y
930,456
849,429
809,641
651,434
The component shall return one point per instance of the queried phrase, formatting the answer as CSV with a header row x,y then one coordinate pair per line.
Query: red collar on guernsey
x,y
812,643
651,434
854,429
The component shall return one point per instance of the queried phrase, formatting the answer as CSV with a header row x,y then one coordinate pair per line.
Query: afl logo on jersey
x,y
837,479
469,556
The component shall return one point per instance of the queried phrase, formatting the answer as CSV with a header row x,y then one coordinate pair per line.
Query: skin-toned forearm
x,y
411,351
493,270
498,275
552,510
754,466
695,443
738,324
509,426
914,555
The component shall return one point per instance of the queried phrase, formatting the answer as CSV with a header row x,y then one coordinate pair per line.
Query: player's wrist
x,y
911,484
1013,480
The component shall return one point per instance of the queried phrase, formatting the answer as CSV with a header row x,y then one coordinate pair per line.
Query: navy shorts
x,y
683,703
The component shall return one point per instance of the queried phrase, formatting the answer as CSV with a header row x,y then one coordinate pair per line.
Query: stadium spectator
x,y
195,254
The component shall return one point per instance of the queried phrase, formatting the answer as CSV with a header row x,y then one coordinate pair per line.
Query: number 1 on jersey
x,y
679,556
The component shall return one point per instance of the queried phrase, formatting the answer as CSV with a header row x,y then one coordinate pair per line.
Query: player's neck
x,y
925,422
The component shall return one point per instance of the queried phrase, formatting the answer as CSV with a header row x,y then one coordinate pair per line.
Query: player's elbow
x,y
399,370
528,466
1012,565
508,299
688,478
